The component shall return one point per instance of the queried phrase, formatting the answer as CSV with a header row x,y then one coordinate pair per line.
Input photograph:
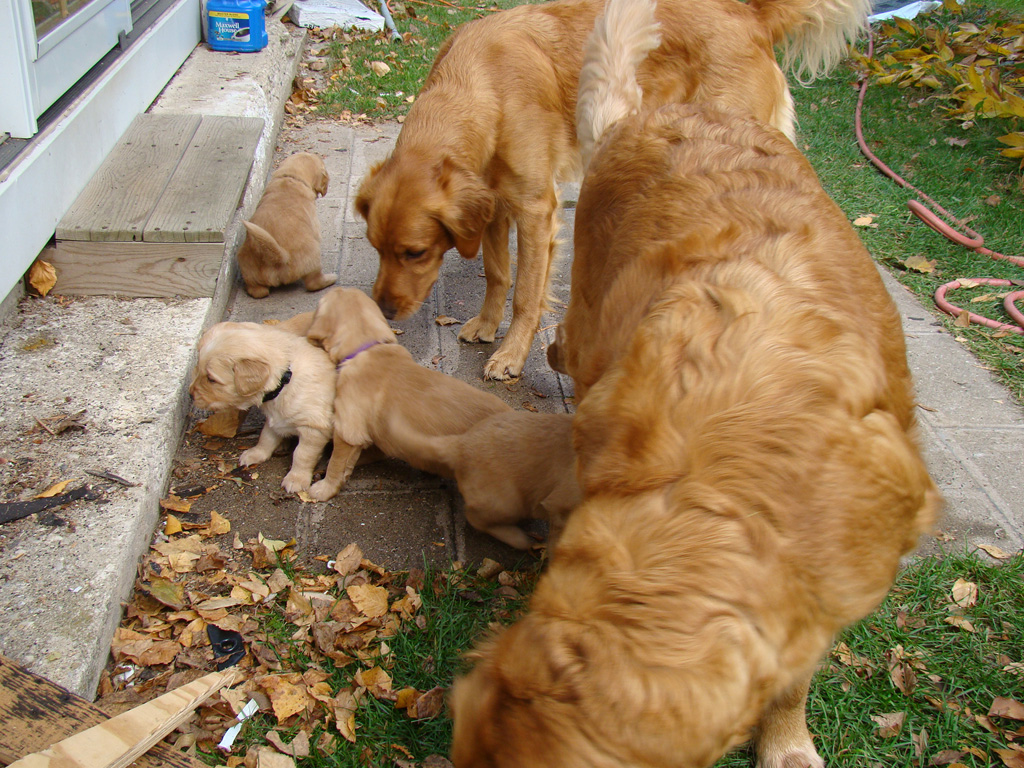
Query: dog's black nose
x,y
388,309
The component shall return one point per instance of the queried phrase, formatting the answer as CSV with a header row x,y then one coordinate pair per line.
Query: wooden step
x,y
152,220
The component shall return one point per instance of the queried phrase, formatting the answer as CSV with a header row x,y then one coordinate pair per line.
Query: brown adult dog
x,y
510,467
282,241
241,365
381,394
745,451
494,128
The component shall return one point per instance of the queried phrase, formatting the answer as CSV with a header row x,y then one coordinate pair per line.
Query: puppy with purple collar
x,y
382,396
241,365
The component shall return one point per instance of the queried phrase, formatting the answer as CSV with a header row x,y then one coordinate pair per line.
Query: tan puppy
x,y
745,451
282,241
510,467
381,394
242,365
494,127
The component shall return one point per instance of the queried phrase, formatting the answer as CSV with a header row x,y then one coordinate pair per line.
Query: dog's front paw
x,y
296,481
252,456
322,490
504,365
476,330
796,756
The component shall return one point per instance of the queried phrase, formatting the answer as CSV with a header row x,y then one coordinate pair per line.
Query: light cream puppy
x,y
383,396
242,365
510,467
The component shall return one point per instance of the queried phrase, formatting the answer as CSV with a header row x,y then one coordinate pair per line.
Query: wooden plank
x,y
37,713
119,741
121,195
137,269
202,195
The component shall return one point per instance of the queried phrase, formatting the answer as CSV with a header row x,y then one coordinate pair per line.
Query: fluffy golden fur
x,y
746,455
239,363
493,129
381,395
282,242
510,467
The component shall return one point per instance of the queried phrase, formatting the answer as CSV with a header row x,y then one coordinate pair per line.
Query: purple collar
x,y
362,348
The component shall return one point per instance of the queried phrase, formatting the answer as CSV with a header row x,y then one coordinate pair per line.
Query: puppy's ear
x,y
468,209
367,189
320,187
250,376
553,667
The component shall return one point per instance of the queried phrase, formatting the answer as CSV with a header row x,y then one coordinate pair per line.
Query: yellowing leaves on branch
x,y
968,66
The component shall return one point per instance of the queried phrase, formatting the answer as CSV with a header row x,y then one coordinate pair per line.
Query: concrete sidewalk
x,y
63,574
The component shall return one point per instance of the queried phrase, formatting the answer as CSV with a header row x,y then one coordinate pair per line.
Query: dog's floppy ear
x,y
250,376
367,189
469,207
320,187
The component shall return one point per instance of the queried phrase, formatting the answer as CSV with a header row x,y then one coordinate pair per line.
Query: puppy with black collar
x,y
241,365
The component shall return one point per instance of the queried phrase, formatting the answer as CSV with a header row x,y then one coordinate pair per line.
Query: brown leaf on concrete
x,y
348,560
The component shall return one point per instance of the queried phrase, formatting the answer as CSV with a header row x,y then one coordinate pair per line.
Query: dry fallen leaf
x,y
445,320
42,276
920,264
370,599
379,68
54,489
348,560
173,504
963,320
1003,707
268,757
993,551
221,424
965,593
172,526
960,621
890,724
865,221
1011,758
287,694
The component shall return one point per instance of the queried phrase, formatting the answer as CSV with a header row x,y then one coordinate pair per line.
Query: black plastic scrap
x,y
15,510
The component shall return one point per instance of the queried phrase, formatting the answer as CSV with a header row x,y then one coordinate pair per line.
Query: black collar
x,y
277,391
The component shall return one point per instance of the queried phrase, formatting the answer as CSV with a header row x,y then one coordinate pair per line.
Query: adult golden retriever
x,y
493,129
382,397
746,455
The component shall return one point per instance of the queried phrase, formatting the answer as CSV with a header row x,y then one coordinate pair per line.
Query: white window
x,y
48,45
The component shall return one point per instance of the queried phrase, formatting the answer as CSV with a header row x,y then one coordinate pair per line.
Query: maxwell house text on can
x,y
236,25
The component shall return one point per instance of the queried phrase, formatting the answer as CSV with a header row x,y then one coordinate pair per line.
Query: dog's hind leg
x,y
783,740
497,270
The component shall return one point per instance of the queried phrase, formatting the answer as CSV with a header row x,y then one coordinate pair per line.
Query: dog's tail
x,y
269,248
812,34
608,90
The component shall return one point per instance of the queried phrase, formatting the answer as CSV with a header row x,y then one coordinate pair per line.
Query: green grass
x,y
425,24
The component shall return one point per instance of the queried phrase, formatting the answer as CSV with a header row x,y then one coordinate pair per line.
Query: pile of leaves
x,y
315,647
974,67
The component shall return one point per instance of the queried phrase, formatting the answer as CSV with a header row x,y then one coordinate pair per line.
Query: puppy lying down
x,y
381,395
241,365
510,467
746,454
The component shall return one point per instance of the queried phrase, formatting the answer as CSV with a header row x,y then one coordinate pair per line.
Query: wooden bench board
x,y
36,713
136,270
118,200
204,190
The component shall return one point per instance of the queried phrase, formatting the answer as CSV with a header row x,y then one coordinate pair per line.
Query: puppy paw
x,y
323,490
296,481
504,365
252,456
319,281
257,291
476,330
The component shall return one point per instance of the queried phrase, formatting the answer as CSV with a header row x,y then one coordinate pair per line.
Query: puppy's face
x,y
416,209
307,167
345,319
232,370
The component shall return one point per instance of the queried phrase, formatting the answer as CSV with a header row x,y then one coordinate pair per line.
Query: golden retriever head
x,y
237,363
418,207
307,168
345,319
